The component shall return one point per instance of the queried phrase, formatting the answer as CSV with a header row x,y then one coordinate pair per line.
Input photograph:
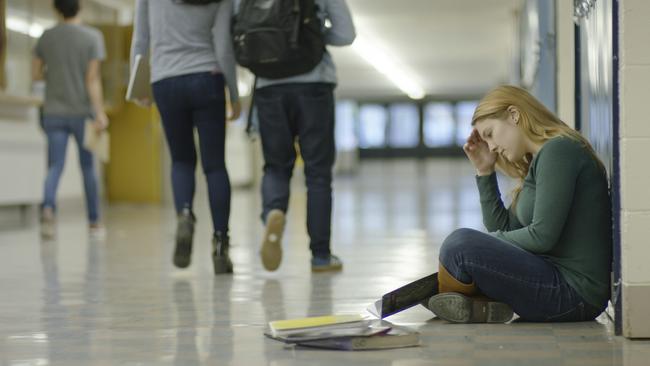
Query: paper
x,y
97,142
375,308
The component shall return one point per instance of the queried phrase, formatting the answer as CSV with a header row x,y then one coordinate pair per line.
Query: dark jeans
x,y
530,284
58,131
185,102
302,112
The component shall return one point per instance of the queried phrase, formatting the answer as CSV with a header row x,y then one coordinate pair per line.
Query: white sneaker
x,y
48,224
96,231
271,251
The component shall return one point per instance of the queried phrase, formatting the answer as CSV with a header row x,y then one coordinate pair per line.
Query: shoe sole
x,y
327,268
457,308
271,251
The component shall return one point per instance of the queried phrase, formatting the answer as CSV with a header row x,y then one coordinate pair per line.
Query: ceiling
x,y
450,47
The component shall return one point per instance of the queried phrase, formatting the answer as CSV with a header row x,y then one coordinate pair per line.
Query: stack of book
x,y
342,332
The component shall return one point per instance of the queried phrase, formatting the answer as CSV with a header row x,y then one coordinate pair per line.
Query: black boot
x,y
220,253
184,237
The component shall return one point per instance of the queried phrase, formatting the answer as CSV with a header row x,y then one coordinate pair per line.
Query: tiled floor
x,y
119,301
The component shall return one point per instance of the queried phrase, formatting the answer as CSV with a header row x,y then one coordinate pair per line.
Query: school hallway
x,y
79,301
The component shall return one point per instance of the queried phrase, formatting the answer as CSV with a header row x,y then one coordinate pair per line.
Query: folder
x,y
139,80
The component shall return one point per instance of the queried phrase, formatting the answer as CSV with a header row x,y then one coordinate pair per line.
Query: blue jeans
x,y
58,129
304,112
529,283
196,101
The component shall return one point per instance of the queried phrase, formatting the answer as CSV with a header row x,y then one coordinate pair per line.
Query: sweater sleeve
x,y
223,47
342,32
140,38
495,215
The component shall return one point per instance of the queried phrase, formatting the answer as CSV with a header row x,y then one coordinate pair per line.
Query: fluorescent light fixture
x,y
19,25
388,66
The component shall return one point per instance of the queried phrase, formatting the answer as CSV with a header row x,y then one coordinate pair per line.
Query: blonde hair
x,y
535,121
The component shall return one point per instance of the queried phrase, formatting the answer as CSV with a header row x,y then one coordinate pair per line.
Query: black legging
x,y
185,102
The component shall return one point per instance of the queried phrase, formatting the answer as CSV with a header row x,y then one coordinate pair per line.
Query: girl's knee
x,y
455,243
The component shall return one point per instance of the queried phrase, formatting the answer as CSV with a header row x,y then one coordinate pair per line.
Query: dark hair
x,y
67,8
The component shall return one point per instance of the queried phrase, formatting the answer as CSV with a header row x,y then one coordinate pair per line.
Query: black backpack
x,y
278,38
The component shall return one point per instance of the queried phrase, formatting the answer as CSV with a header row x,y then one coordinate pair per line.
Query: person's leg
x,y
316,138
77,126
57,142
176,118
209,115
278,138
530,284
278,135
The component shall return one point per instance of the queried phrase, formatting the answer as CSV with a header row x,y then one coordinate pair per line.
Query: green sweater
x,y
563,214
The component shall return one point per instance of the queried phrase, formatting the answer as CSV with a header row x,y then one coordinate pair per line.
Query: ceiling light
x,y
388,66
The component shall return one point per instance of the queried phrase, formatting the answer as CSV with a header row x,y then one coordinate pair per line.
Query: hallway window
x,y
438,125
404,130
464,113
345,135
373,119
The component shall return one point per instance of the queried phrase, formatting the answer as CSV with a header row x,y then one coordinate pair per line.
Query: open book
x,y
139,80
405,297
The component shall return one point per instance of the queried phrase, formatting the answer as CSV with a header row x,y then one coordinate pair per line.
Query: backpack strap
x,y
249,120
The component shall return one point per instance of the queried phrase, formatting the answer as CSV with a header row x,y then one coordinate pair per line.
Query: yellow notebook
x,y
319,321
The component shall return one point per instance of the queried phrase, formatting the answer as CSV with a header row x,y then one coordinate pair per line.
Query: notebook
x,y
286,327
139,80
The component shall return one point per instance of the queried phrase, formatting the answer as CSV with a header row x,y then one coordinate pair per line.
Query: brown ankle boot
x,y
459,302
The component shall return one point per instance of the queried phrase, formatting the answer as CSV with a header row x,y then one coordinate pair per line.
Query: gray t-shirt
x,y
67,49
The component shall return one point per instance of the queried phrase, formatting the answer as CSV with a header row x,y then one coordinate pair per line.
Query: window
x,y
373,119
345,136
438,125
404,130
464,113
